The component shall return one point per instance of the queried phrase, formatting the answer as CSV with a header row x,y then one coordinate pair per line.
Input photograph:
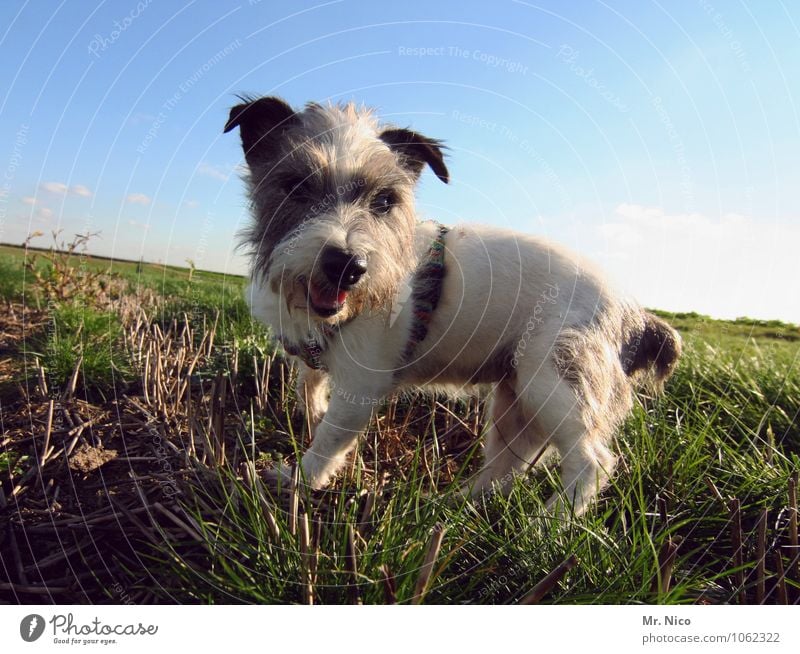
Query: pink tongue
x,y
327,299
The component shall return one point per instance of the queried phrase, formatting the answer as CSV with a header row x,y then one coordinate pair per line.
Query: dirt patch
x,y
87,458
92,488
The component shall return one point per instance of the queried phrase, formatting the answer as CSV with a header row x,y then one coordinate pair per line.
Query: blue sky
x,y
660,139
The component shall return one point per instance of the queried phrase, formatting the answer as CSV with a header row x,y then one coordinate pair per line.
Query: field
x,y
139,402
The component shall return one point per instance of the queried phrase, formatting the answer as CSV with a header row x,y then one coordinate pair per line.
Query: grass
x,y
499,550
80,336
193,400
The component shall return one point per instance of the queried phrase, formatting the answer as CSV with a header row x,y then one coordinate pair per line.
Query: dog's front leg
x,y
312,392
347,416
349,411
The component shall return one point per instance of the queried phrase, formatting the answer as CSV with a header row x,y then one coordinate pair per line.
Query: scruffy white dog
x,y
372,300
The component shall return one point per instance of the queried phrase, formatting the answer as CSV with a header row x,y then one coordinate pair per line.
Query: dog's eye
x,y
383,202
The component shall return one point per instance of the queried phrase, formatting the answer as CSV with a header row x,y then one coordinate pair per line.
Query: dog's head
x,y
332,195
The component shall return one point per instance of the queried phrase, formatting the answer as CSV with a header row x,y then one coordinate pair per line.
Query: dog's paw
x,y
278,477
284,479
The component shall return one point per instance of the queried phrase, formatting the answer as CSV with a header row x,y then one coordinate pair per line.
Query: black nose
x,y
343,269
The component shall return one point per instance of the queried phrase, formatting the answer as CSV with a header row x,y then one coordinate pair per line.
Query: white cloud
x,y
30,201
192,204
138,198
212,171
730,266
81,191
138,225
44,213
58,188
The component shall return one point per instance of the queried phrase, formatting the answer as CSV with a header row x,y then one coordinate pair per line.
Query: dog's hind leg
x,y
586,467
579,435
512,443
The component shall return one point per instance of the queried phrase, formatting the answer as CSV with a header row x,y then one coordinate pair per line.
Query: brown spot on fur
x,y
657,346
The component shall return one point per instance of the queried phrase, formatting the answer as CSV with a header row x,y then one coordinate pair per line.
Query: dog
x,y
372,300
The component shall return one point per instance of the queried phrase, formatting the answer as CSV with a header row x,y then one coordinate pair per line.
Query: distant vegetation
x,y
140,401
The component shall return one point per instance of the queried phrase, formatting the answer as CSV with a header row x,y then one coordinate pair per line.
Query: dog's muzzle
x,y
341,271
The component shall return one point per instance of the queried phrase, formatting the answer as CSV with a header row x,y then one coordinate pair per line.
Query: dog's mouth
x,y
325,300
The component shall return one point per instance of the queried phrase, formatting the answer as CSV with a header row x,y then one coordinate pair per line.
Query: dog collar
x,y
311,349
426,293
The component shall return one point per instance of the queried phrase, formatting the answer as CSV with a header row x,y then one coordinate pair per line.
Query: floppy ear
x,y
260,122
417,150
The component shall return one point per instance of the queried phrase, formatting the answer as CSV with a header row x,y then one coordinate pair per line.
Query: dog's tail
x,y
651,351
